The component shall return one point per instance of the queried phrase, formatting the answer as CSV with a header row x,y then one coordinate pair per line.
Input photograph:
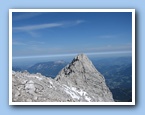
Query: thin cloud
x,y
80,21
73,54
27,15
37,27
48,25
72,23
34,34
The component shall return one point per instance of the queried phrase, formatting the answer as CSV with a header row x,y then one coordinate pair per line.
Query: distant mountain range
x,y
49,69
117,73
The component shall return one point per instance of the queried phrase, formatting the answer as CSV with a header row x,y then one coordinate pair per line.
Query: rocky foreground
x,y
77,82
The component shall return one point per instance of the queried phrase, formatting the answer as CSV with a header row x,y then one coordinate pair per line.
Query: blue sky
x,y
41,34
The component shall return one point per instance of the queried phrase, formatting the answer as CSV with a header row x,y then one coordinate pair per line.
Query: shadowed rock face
x,y
77,82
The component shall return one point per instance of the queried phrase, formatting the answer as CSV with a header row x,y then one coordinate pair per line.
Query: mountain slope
x,y
79,81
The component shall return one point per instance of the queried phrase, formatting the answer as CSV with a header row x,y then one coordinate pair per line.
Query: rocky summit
x,y
79,81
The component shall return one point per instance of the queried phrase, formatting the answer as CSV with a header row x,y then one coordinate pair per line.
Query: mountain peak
x,y
82,64
79,65
81,56
82,73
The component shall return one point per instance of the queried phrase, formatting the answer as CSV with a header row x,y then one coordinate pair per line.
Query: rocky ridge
x,y
79,81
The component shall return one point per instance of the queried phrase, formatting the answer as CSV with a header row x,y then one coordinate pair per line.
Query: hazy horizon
x,y
67,58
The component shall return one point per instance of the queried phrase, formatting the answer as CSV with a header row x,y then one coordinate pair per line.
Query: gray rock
x,y
77,82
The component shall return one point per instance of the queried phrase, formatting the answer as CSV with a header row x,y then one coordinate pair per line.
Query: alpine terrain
x,y
79,81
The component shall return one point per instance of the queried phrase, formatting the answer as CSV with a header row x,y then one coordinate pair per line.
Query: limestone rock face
x,y
77,82
82,75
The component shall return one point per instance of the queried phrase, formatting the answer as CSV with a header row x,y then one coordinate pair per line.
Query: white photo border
x,y
71,10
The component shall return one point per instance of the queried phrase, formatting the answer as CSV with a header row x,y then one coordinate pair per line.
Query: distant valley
x,y
118,76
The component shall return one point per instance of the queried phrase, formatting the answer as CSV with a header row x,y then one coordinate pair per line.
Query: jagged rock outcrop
x,y
77,82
